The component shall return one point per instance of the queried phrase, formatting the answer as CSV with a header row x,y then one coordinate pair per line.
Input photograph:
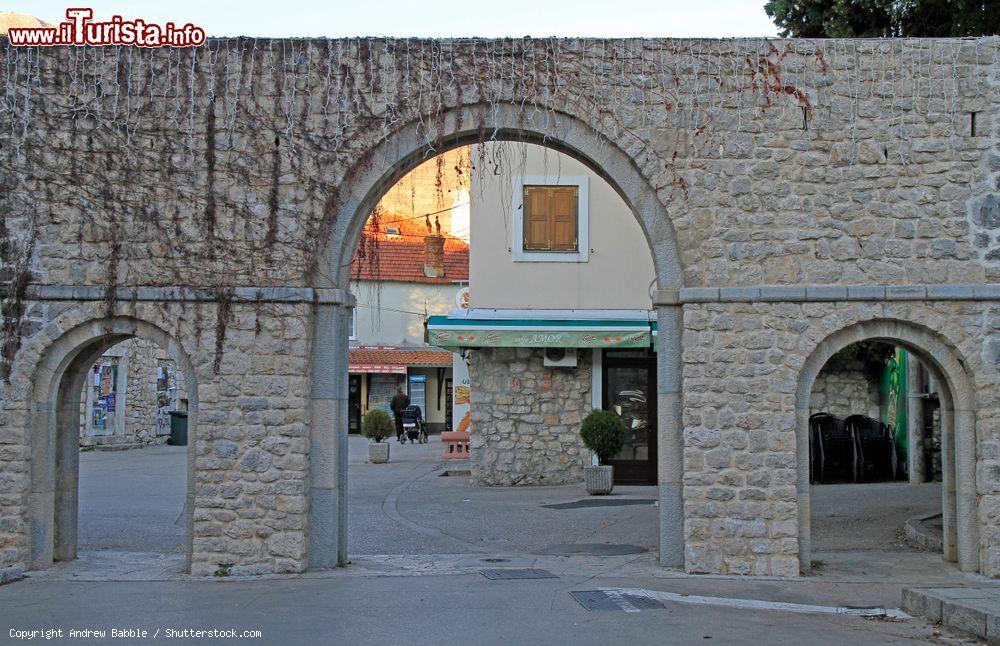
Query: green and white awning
x,y
448,332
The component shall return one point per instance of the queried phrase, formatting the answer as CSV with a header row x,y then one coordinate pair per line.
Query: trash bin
x,y
178,428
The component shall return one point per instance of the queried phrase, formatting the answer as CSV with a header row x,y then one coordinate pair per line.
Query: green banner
x,y
894,397
473,338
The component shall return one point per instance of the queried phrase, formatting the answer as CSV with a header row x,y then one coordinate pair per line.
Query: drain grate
x,y
517,573
614,601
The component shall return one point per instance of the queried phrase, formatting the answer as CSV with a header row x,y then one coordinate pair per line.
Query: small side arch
x,y
958,419
54,427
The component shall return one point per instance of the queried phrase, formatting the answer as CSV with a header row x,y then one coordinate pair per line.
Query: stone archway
x,y
54,432
369,180
959,491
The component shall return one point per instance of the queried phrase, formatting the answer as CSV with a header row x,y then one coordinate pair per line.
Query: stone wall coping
x,y
189,294
661,297
827,293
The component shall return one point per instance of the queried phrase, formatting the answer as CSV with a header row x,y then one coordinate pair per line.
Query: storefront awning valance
x,y
376,368
445,332
396,361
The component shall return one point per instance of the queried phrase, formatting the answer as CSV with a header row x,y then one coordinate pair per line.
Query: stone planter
x,y
600,480
378,452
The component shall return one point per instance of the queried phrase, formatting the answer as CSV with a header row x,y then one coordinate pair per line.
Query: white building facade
x,y
559,319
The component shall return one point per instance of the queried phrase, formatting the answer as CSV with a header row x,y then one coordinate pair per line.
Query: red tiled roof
x,y
401,357
402,258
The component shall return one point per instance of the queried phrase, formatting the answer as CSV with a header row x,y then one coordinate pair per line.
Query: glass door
x,y
630,391
354,404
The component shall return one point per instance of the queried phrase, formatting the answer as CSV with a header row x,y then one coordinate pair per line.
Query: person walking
x,y
398,404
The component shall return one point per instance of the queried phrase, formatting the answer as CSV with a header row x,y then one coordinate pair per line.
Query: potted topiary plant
x,y
376,426
604,433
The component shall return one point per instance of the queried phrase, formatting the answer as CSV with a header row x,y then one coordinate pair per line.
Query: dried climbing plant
x,y
227,164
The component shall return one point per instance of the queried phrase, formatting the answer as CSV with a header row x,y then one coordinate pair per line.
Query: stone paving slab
x,y
971,611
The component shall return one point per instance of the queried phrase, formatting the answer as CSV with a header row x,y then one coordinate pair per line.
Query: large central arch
x,y
368,180
958,445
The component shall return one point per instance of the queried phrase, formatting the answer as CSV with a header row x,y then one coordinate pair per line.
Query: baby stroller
x,y
413,425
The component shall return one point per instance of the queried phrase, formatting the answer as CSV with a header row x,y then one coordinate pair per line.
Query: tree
x,y
884,18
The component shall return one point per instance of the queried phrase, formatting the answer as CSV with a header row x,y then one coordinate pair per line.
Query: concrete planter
x,y
600,480
378,452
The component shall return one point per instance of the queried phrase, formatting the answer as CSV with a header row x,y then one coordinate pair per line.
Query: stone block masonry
x,y
844,392
526,418
740,420
211,199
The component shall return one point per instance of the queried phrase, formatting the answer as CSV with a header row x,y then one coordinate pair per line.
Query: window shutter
x,y
550,218
564,218
536,218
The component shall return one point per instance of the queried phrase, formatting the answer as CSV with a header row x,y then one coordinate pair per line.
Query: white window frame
x,y
582,220
353,333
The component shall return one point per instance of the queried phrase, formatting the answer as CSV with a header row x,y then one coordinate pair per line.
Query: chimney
x,y
434,255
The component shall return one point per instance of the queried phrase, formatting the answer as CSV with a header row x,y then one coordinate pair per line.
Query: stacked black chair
x,y
833,450
877,448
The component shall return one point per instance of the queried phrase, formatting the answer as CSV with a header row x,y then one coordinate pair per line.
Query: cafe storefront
x,y
615,360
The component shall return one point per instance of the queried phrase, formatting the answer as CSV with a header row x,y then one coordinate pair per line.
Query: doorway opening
x,y
629,389
884,482
111,457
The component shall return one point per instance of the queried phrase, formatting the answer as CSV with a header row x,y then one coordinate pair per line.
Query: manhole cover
x,y
517,573
594,549
612,600
601,501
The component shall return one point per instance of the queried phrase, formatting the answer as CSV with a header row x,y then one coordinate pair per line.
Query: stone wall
x,y
140,397
214,197
526,418
846,391
782,162
740,380
248,427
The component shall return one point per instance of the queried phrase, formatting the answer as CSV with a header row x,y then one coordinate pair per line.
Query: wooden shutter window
x,y
551,218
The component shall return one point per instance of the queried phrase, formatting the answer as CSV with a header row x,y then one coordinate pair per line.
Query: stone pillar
x,y
966,521
670,435
67,462
948,498
916,386
41,513
328,436
803,486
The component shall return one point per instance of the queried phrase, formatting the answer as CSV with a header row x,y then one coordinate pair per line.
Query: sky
x,y
434,18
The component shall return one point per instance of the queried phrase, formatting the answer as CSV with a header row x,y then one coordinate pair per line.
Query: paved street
x,y
868,516
407,507
418,541
439,610
133,501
